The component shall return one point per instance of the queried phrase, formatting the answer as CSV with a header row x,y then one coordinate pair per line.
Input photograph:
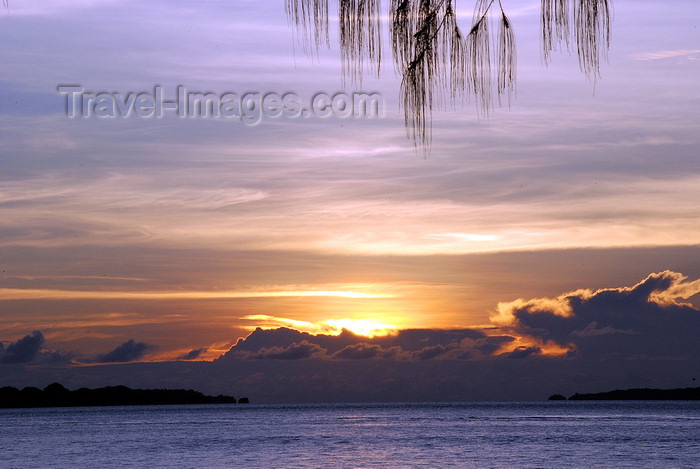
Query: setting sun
x,y
391,230
363,327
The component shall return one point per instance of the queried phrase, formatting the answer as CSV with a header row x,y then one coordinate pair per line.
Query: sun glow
x,y
363,327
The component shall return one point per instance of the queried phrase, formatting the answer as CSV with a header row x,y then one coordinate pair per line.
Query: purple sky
x,y
159,237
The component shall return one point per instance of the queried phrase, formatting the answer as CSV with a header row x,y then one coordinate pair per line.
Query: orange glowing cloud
x,y
50,294
364,327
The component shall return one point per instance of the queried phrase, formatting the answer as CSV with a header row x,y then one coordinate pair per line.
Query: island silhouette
x,y
56,395
638,394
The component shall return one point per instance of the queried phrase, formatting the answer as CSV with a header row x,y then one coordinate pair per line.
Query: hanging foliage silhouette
x,y
439,64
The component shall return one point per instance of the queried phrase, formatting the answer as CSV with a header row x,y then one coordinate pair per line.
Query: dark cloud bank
x,y
584,341
192,354
406,345
24,350
129,351
30,350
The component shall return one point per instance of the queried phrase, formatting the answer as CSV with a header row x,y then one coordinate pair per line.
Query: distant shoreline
x,y
638,394
55,395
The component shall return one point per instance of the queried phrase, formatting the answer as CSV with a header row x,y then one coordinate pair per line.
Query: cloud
x,y
359,351
522,352
296,351
55,294
486,346
592,329
647,319
127,352
192,354
431,352
643,335
689,54
261,339
404,345
468,348
364,351
24,350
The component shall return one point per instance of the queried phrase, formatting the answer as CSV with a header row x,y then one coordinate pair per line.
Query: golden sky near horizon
x,y
188,233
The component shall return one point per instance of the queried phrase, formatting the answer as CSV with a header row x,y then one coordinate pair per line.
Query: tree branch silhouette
x,y
437,63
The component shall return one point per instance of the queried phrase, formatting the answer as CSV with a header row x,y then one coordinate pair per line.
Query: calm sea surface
x,y
469,435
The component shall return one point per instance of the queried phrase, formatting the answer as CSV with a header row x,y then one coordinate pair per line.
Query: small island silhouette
x,y
55,395
638,394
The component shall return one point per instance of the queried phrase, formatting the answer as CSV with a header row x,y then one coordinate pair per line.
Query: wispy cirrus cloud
x,y
687,54
47,294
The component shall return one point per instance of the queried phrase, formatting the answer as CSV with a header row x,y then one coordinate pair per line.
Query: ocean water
x,y
465,435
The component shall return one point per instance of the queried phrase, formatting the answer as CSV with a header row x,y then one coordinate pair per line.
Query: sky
x,y
551,246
